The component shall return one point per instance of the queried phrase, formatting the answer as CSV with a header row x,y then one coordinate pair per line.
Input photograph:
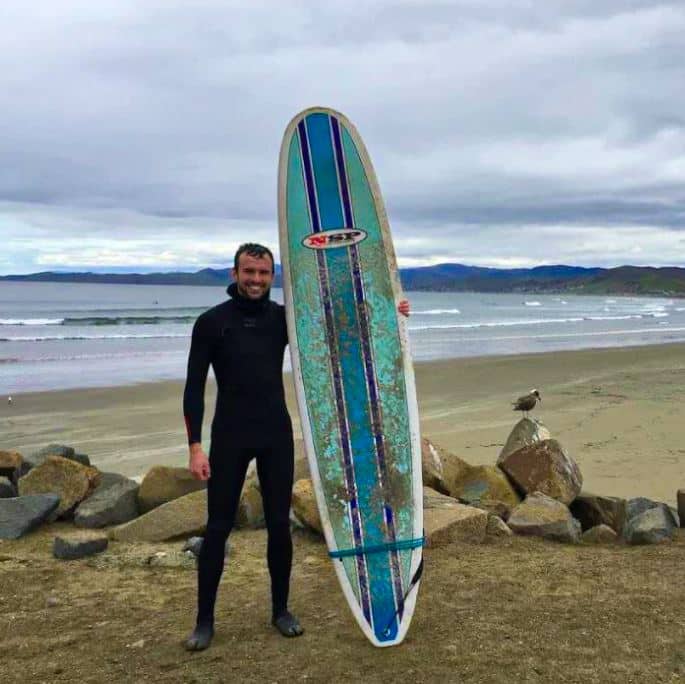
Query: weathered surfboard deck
x,y
352,369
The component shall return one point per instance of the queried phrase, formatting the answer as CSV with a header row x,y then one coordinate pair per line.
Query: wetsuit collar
x,y
249,305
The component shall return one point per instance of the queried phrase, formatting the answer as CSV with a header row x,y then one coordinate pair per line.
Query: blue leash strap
x,y
401,545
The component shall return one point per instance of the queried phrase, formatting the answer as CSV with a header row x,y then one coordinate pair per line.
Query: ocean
x,y
68,335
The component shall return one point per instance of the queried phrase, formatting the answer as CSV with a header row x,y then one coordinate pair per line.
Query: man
x,y
244,340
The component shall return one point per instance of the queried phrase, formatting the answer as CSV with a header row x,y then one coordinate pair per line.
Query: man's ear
x,y
234,274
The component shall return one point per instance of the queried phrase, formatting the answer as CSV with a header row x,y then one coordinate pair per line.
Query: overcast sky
x,y
144,135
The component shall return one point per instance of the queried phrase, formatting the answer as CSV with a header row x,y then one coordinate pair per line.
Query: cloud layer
x,y
146,134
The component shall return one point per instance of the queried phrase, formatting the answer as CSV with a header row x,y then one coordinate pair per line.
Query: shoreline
x,y
617,411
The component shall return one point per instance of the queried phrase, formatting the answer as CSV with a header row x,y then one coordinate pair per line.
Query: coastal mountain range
x,y
627,280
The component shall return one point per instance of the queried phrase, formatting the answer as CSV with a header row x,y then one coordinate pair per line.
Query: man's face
x,y
254,275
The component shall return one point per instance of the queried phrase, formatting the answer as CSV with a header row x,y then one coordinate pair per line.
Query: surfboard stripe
x,y
371,381
345,439
345,307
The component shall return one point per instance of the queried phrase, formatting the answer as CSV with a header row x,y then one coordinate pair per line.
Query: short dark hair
x,y
254,250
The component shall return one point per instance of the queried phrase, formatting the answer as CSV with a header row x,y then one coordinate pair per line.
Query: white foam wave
x,y
497,324
31,321
52,338
435,312
532,303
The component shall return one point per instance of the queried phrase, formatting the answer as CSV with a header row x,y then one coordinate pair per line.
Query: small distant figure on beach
x,y
527,402
9,400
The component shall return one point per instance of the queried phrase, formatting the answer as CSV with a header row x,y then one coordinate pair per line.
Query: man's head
x,y
253,270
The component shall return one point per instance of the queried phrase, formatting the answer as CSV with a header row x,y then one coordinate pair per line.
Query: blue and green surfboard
x,y
352,369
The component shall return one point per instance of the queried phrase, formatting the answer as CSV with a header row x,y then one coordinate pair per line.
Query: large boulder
x,y
70,480
10,464
544,467
641,504
37,457
431,465
304,505
652,526
23,513
445,520
79,545
110,505
592,510
485,483
542,516
7,489
250,509
182,517
163,483
525,433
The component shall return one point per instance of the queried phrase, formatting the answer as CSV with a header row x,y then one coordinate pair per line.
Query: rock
x,y
51,602
541,516
10,464
431,465
250,509
496,527
6,488
483,483
592,510
501,510
163,483
194,546
650,527
182,517
546,468
640,504
70,480
83,459
21,514
445,520
40,456
304,505
681,506
599,534
79,545
111,505
525,433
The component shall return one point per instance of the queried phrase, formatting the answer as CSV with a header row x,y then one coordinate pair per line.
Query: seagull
x,y
527,402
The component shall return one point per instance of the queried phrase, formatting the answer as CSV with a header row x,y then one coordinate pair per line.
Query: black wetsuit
x,y
244,341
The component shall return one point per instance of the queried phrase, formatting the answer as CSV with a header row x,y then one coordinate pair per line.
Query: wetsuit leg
x,y
275,467
228,468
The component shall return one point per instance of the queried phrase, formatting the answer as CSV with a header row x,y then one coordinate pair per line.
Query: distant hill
x,y
632,280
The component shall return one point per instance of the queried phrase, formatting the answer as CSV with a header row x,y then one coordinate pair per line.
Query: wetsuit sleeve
x,y
198,366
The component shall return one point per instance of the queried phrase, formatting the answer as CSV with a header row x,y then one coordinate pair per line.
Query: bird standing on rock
x,y
527,402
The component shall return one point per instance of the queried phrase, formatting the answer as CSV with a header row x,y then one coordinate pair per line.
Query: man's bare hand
x,y
403,308
198,463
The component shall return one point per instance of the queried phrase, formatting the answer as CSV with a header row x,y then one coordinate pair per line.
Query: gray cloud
x,y
143,128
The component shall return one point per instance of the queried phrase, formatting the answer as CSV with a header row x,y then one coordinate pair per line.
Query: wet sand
x,y
619,412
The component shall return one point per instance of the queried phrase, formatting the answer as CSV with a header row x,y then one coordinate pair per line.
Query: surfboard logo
x,y
329,239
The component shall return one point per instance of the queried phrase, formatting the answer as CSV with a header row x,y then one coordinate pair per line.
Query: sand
x,y
508,610
618,412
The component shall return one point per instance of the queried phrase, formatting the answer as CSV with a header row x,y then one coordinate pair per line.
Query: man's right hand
x,y
198,463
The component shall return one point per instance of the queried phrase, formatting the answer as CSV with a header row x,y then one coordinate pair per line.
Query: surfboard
x,y
352,369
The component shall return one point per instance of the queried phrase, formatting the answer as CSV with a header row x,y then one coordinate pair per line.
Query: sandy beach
x,y
508,610
619,412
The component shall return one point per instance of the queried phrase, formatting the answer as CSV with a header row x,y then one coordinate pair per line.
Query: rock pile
x,y
56,482
534,488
